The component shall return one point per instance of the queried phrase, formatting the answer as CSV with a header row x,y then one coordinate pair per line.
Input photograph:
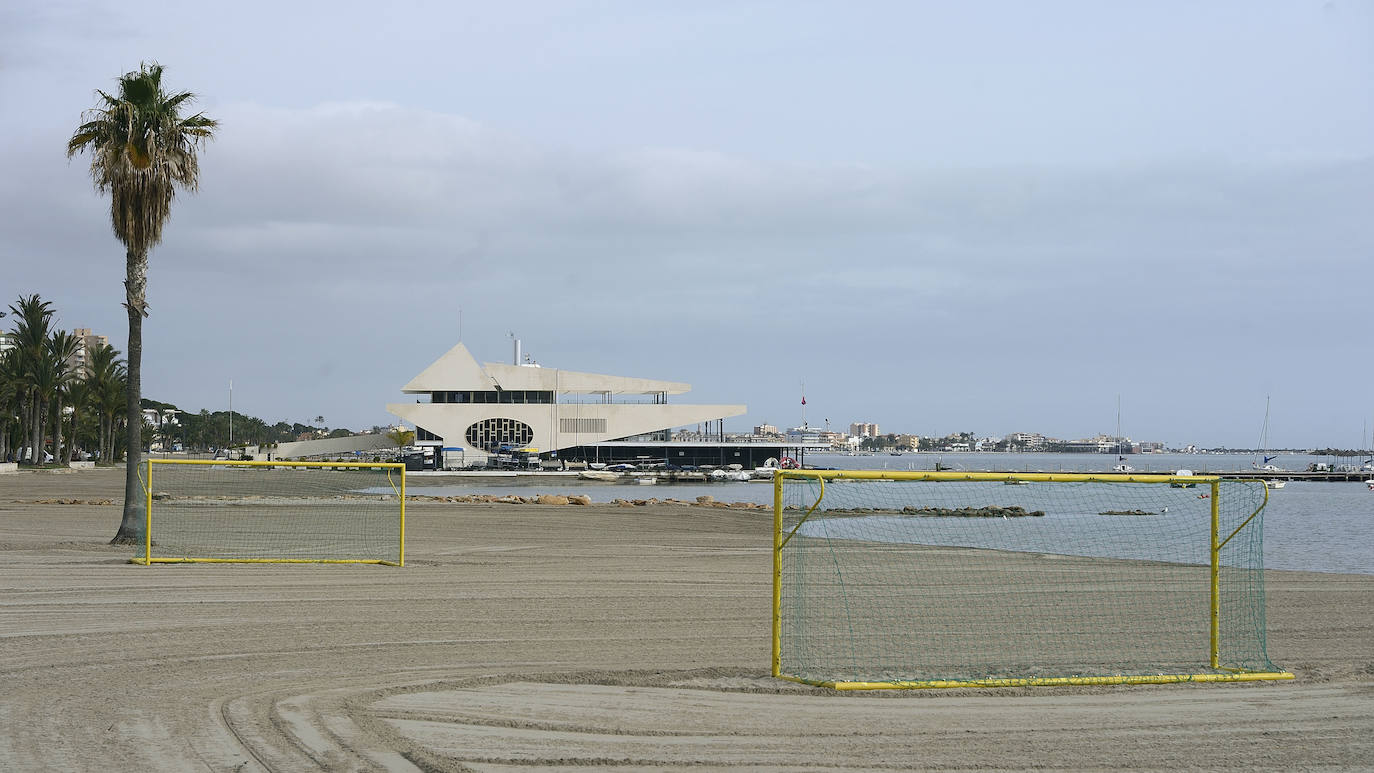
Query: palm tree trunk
x,y
37,451
70,434
131,527
23,428
57,431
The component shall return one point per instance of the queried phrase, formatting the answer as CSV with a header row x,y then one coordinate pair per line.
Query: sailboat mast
x,y
1264,436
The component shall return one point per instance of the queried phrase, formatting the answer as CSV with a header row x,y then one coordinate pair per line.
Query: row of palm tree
x,y
50,405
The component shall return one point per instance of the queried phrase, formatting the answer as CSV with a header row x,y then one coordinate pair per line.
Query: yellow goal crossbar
x,y
396,477
781,477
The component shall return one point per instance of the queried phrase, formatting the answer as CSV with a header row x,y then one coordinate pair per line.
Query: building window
x,y
582,425
491,434
506,396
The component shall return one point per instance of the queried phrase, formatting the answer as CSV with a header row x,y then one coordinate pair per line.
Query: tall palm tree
x,y
105,381
142,150
44,376
32,323
79,398
10,387
62,350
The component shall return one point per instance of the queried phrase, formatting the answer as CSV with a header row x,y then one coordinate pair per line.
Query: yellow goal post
x,y
218,511
911,579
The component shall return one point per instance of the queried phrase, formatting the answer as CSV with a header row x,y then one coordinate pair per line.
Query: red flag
x,y
803,399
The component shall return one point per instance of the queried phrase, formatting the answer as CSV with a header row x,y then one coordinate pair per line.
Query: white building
x,y
475,410
1027,441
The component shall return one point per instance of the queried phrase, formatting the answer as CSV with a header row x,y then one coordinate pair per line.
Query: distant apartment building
x,y
1026,441
1098,444
86,343
6,341
864,430
810,437
767,430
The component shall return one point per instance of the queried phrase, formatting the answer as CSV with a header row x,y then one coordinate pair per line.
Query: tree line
x,y
208,431
59,399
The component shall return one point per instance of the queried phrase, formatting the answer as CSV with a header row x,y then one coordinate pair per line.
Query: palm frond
x,y
142,150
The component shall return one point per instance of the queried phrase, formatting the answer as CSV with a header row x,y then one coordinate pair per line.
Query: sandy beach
x,y
563,637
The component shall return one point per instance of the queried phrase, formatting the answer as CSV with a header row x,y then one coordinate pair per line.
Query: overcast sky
x,y
974,216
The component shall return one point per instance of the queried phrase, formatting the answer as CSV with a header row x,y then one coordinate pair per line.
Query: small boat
x,y
597,465
1370,484
646,481
1014,482
601,475
1123,467
1275,484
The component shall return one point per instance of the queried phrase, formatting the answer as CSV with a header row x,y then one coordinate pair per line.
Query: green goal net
x,y
273,512
945,579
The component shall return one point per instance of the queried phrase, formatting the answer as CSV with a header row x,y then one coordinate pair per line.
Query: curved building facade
x,y
473,410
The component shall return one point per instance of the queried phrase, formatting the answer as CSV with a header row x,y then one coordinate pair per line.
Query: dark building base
x,y
749,455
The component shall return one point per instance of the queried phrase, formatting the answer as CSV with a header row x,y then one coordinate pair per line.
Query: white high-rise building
x,y
864,430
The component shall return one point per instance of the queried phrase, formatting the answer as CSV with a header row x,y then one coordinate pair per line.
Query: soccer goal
x,y
939,579
273,512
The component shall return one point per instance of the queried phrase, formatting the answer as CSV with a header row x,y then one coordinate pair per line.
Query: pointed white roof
x,y
456,370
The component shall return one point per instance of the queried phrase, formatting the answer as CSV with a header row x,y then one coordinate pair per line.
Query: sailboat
x,y
1368,465
1121,465
1265,459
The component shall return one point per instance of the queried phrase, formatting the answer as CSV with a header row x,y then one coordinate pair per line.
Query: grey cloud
x,y
343,238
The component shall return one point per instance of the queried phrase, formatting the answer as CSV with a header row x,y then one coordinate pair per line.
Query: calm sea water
x,y
1322,527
